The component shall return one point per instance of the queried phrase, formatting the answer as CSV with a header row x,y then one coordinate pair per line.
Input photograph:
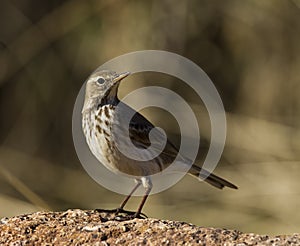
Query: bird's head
x,y
102,88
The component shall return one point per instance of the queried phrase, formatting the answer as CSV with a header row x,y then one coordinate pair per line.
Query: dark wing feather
x,y
139,131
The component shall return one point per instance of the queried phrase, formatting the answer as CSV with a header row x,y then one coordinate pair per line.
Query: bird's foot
x,y
122,214
131,214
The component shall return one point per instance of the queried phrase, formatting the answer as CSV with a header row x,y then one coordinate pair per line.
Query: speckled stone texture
x,y
92,227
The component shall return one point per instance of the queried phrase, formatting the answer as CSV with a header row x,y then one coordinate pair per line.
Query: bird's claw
x,y
120,212
131,214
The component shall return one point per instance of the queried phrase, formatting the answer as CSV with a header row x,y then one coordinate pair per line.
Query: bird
x,y
99,121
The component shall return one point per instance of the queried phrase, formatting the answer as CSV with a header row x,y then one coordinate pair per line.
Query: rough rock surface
x,y
85,227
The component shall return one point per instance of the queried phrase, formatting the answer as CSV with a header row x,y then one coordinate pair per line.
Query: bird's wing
x,y
139,131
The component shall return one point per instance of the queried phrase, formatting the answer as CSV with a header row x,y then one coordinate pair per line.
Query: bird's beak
x,y
121,76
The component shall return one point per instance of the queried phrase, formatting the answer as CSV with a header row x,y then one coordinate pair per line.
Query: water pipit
x,y
99,120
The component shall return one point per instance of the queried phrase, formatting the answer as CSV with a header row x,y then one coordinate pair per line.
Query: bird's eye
x,y
100,81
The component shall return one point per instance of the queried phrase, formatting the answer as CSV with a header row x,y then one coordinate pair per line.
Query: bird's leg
x,y
137,214
148,186
128,197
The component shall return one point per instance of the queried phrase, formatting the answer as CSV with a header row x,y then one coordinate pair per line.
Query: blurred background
x,y
249,49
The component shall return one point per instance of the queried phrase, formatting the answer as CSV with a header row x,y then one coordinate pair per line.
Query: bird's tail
x,y
210,178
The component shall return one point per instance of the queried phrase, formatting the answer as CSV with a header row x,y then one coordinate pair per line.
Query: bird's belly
x,y
100,141
117,162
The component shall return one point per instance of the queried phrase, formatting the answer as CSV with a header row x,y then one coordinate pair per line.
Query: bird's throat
x,y
110,97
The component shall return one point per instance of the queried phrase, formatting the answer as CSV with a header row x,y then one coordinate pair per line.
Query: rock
x,y
104,227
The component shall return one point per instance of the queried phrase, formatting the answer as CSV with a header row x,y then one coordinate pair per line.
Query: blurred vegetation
x,y
250,49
